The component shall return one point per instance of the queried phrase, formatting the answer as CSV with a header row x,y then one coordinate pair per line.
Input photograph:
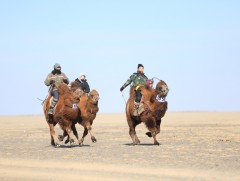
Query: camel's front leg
x,y
70,133
54,139
89,128
149,134
61,137
85,132
133,135
154,135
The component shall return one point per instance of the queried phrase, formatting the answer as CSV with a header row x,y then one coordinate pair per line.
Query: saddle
x,y
138,108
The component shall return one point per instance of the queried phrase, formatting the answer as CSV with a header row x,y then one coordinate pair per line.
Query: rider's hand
x,y
52,81
121,89
65,81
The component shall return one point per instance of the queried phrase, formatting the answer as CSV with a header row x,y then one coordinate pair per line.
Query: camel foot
x,y
52,143
60,137
137,141
57,145
149,134
156,143
72,142
93,139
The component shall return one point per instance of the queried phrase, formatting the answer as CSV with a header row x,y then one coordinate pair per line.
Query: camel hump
x,y
63,88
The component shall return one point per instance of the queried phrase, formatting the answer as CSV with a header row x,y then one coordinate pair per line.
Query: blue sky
x,y
191,45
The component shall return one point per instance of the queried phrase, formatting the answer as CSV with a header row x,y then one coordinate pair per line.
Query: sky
x,y
192,45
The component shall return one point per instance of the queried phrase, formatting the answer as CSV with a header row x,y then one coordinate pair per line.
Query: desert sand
x,y
193,146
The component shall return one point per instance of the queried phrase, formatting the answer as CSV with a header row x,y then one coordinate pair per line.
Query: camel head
x,y
94,96
162,89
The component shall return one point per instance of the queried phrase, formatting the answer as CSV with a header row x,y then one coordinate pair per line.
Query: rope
x,y
42,101
124,98
156,78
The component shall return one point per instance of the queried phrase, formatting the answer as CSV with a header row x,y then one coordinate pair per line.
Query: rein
x,y
42,100
124,98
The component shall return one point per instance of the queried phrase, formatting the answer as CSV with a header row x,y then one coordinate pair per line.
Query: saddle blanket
x,y
75,106
160,99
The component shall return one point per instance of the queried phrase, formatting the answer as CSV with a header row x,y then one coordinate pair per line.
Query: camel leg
x,y
85,132
74,132
154,135
154,132
70,134
54,140
158,125
149,134
133,134
91,133
61,137
132,123
153,128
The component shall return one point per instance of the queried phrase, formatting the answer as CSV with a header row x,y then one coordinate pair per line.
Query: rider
x,y
139,79
54,78
82,82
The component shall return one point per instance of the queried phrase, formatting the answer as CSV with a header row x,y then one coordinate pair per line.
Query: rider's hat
x,y
140,65
57,65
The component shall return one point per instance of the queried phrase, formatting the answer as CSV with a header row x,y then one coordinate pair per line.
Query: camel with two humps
x,y
64,113
154,110
88,106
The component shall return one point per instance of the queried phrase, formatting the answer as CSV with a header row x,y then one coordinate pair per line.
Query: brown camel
x,y
153,110
88,106
64,114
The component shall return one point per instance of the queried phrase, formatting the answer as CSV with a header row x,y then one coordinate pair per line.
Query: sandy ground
x,y
194,146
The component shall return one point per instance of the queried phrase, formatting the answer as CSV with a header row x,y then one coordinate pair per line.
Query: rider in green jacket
x,y
138,79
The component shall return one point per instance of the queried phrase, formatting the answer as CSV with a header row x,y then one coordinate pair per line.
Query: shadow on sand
x,y
141,144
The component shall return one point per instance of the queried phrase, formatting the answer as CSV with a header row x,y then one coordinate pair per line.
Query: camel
x,y
64,114
88,107
154,110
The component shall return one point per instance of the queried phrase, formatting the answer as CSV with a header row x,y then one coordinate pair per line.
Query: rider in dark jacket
x,y
82,81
